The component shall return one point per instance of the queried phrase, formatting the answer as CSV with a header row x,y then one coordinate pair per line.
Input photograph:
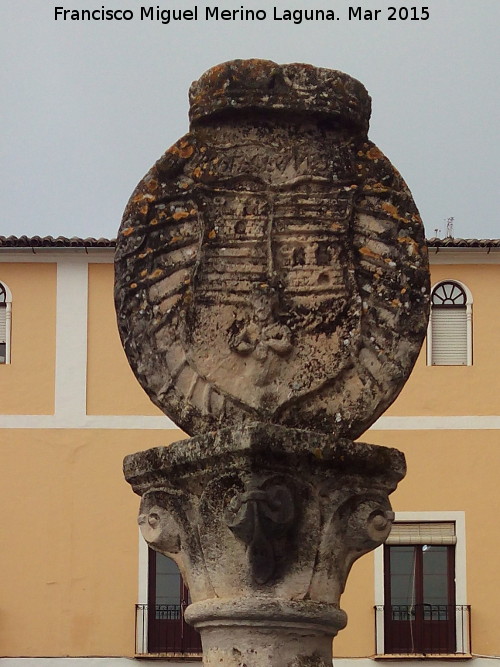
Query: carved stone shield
x,y
272,265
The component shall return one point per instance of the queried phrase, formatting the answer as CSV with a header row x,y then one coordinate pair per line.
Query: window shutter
x,y
449,336
422,533
3,324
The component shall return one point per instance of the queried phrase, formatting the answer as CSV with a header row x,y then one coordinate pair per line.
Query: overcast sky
x,y
88,106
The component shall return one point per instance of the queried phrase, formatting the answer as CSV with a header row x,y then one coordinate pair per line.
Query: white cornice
x,y
51,256
464,256
66,420
105,255
441,423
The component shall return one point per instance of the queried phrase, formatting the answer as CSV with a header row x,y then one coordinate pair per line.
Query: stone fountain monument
x,y
272,295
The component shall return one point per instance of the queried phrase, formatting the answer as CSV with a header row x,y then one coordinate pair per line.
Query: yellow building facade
x,y
73,565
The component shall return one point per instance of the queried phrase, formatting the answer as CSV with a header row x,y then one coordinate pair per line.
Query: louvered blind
x,y
3,327
449,337
422,533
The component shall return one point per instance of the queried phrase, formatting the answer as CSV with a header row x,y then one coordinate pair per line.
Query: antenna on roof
x,y
449,228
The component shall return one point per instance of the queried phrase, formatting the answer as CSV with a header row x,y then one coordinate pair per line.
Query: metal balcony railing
x,y
161,629
423,629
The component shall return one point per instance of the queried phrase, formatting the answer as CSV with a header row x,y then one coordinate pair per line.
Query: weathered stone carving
x,y
265,522
261,515
272,266
272,289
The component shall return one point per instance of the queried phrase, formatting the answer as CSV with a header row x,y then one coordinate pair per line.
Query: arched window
x,y
5,321
449,339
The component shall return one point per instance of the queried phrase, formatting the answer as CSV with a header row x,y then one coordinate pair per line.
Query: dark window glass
x,y
419,614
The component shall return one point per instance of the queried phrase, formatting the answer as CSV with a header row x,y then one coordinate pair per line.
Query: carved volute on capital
x,y
158,525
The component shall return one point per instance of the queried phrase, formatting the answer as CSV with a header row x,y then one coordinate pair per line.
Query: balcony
x,y
160,630
423,630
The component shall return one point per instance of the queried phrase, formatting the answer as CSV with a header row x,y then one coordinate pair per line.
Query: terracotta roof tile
x,y
463,243
51,242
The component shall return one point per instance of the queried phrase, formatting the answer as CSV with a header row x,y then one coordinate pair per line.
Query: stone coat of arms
x,y
272,265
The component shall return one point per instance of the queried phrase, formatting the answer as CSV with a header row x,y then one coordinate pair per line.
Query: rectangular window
x,y
161,627
420,614
420,590
449,337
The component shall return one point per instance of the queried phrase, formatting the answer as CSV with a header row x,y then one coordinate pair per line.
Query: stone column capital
x,y
265,523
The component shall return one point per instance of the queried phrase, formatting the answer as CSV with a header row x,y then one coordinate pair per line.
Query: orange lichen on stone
x,y
180,215
393,212
376,187
182,148
369,253
413,246
175,239
133,285
374,153
187,151
197,172
212,234
156,273
152,185
128,231
140,196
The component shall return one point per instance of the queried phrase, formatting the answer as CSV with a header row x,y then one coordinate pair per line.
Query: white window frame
x,y
468,315
458,518
8,323
142,593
